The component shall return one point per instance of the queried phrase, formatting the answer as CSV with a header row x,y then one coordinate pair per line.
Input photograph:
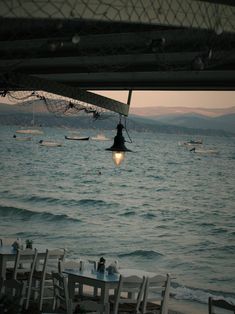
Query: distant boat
x,y
50,143
23,139
204,151
100,137
193,142
30,131
76,138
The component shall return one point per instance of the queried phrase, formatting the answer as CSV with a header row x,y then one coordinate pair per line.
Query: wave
x,y
53,201
26,214
142,253
128,213
148,215
205,224
219,230
179,292
36,199
47,199
92,202
154,177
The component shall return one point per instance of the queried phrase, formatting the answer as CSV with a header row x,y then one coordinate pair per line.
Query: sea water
x,y
165,209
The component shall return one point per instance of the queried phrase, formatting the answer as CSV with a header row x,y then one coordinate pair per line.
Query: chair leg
x,y
70,307
95,292
28,298
41,295
35,285
29,290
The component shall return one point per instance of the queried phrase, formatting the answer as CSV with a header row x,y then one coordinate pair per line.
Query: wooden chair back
x,y
53,259
25,262
61,295
157,289
129,294
43,274
68,265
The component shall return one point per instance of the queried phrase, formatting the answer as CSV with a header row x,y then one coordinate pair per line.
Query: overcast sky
x,y
212,99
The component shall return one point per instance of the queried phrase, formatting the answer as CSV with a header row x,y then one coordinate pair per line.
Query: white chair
x,y
156,295
129,295
93,264
42,277
24,268
61,296
76,288
215,304
63,264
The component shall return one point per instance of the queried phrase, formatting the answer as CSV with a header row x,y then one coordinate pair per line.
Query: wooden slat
x,y
36,83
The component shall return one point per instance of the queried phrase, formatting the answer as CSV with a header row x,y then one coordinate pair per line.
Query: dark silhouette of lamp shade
x,y
118,148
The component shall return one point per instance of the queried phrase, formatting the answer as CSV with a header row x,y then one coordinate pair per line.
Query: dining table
x,y
100,280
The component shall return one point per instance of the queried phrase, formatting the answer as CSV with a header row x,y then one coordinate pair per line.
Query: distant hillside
x,y
225,122
157,111
36,106
12,115
195,118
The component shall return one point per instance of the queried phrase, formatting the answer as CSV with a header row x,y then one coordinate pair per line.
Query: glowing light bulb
x,y
118,157
118,148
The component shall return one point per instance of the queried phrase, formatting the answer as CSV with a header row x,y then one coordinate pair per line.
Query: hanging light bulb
x,y
118,148
118,157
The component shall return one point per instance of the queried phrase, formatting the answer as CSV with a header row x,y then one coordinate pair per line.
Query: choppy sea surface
x,y
165,209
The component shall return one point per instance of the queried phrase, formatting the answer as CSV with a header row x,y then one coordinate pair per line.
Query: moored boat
x,y
193,142
76,138
100,137
30,131
22,138
50,143
204,151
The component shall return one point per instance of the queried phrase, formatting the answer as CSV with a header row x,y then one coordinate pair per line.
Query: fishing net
x,y
56,104
187,13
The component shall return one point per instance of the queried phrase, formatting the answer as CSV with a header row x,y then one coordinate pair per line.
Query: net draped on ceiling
x,y
56,104
188,13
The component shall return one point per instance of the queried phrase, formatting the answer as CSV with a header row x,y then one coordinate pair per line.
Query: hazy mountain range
x,y
178,120
199,118
166,111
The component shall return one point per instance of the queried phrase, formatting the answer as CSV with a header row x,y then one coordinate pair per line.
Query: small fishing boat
x,y
23,139
100,137
204,151
193,143
30,131
50,143
76,138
